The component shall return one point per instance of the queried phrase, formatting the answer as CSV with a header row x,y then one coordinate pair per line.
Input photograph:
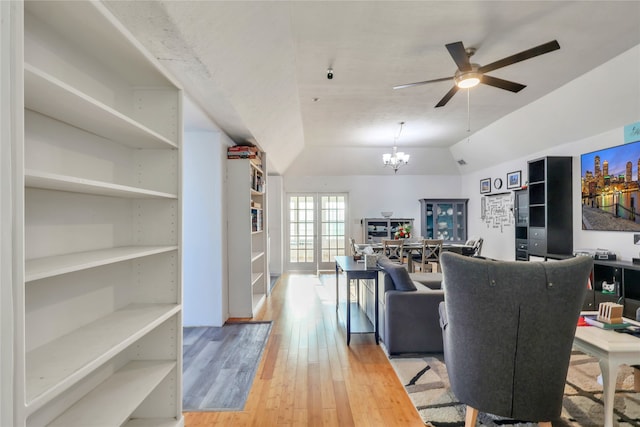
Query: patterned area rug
x,y
425,379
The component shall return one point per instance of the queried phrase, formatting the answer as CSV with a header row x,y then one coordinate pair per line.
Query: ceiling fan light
x,y
468,81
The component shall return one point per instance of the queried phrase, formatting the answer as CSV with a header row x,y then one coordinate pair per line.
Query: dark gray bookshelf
x,y
625,276
550,208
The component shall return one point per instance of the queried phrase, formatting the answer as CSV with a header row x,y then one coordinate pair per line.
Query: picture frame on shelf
x,y
514,180
485,185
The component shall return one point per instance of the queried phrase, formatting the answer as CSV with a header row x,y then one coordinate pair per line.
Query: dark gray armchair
x,y
508,329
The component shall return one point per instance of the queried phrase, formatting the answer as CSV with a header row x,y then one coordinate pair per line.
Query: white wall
x,y
607,98
370,195
324,161
275,226
204,218
202,250
500,243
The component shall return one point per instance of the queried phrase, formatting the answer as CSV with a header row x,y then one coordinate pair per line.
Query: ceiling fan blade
x,y
459,55
447,97
423,83
524,55
502,84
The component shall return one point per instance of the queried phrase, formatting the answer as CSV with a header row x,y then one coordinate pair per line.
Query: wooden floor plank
x,y
343,406
271,357
308,376
314,396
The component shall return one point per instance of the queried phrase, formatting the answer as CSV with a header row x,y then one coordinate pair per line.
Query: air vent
x,y
461,162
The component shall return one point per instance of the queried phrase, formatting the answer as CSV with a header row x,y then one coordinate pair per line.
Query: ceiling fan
x,y
469,74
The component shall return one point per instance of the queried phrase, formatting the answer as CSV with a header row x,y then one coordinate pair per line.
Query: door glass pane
x,y
429,226
459,222
332,228
446,230
301,214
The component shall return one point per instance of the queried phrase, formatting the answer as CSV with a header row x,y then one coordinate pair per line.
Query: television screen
x,y
610,191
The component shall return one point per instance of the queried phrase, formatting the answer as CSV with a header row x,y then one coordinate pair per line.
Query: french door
x,y
316,231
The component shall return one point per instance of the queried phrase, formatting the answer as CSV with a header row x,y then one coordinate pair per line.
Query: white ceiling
x,y
256,68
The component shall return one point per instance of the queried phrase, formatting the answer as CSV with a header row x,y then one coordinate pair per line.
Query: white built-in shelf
x,y
112,402
54,367
52,181
258,298
100,147
49,96
248,268
83,23
256,256
255,277
41,268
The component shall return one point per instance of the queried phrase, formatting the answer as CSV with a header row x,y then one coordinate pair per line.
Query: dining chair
x,y
429,255
393,249
352,243
477,246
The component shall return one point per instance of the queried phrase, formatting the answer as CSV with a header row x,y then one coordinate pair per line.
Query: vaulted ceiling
x,y
259,69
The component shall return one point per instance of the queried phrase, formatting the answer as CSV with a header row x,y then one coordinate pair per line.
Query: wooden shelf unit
x,y
247,236
97,318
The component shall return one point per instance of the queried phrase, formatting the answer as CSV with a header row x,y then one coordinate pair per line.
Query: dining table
x,y
411,247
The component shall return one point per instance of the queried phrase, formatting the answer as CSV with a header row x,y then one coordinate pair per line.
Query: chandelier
x,y
395,159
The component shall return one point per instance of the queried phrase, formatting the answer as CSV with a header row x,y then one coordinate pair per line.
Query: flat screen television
x,y
610,189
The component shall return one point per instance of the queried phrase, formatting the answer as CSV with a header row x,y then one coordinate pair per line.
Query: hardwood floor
x,y
308,376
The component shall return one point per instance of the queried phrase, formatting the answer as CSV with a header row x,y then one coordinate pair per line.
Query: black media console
x,y
625,277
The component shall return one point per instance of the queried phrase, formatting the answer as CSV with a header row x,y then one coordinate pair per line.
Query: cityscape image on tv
x,y
610,190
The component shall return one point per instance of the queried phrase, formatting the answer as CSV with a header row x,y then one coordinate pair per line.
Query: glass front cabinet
x,y
521,214
444,219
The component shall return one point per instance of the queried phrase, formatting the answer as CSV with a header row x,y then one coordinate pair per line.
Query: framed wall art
x,y
609,181
514,179
485,185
